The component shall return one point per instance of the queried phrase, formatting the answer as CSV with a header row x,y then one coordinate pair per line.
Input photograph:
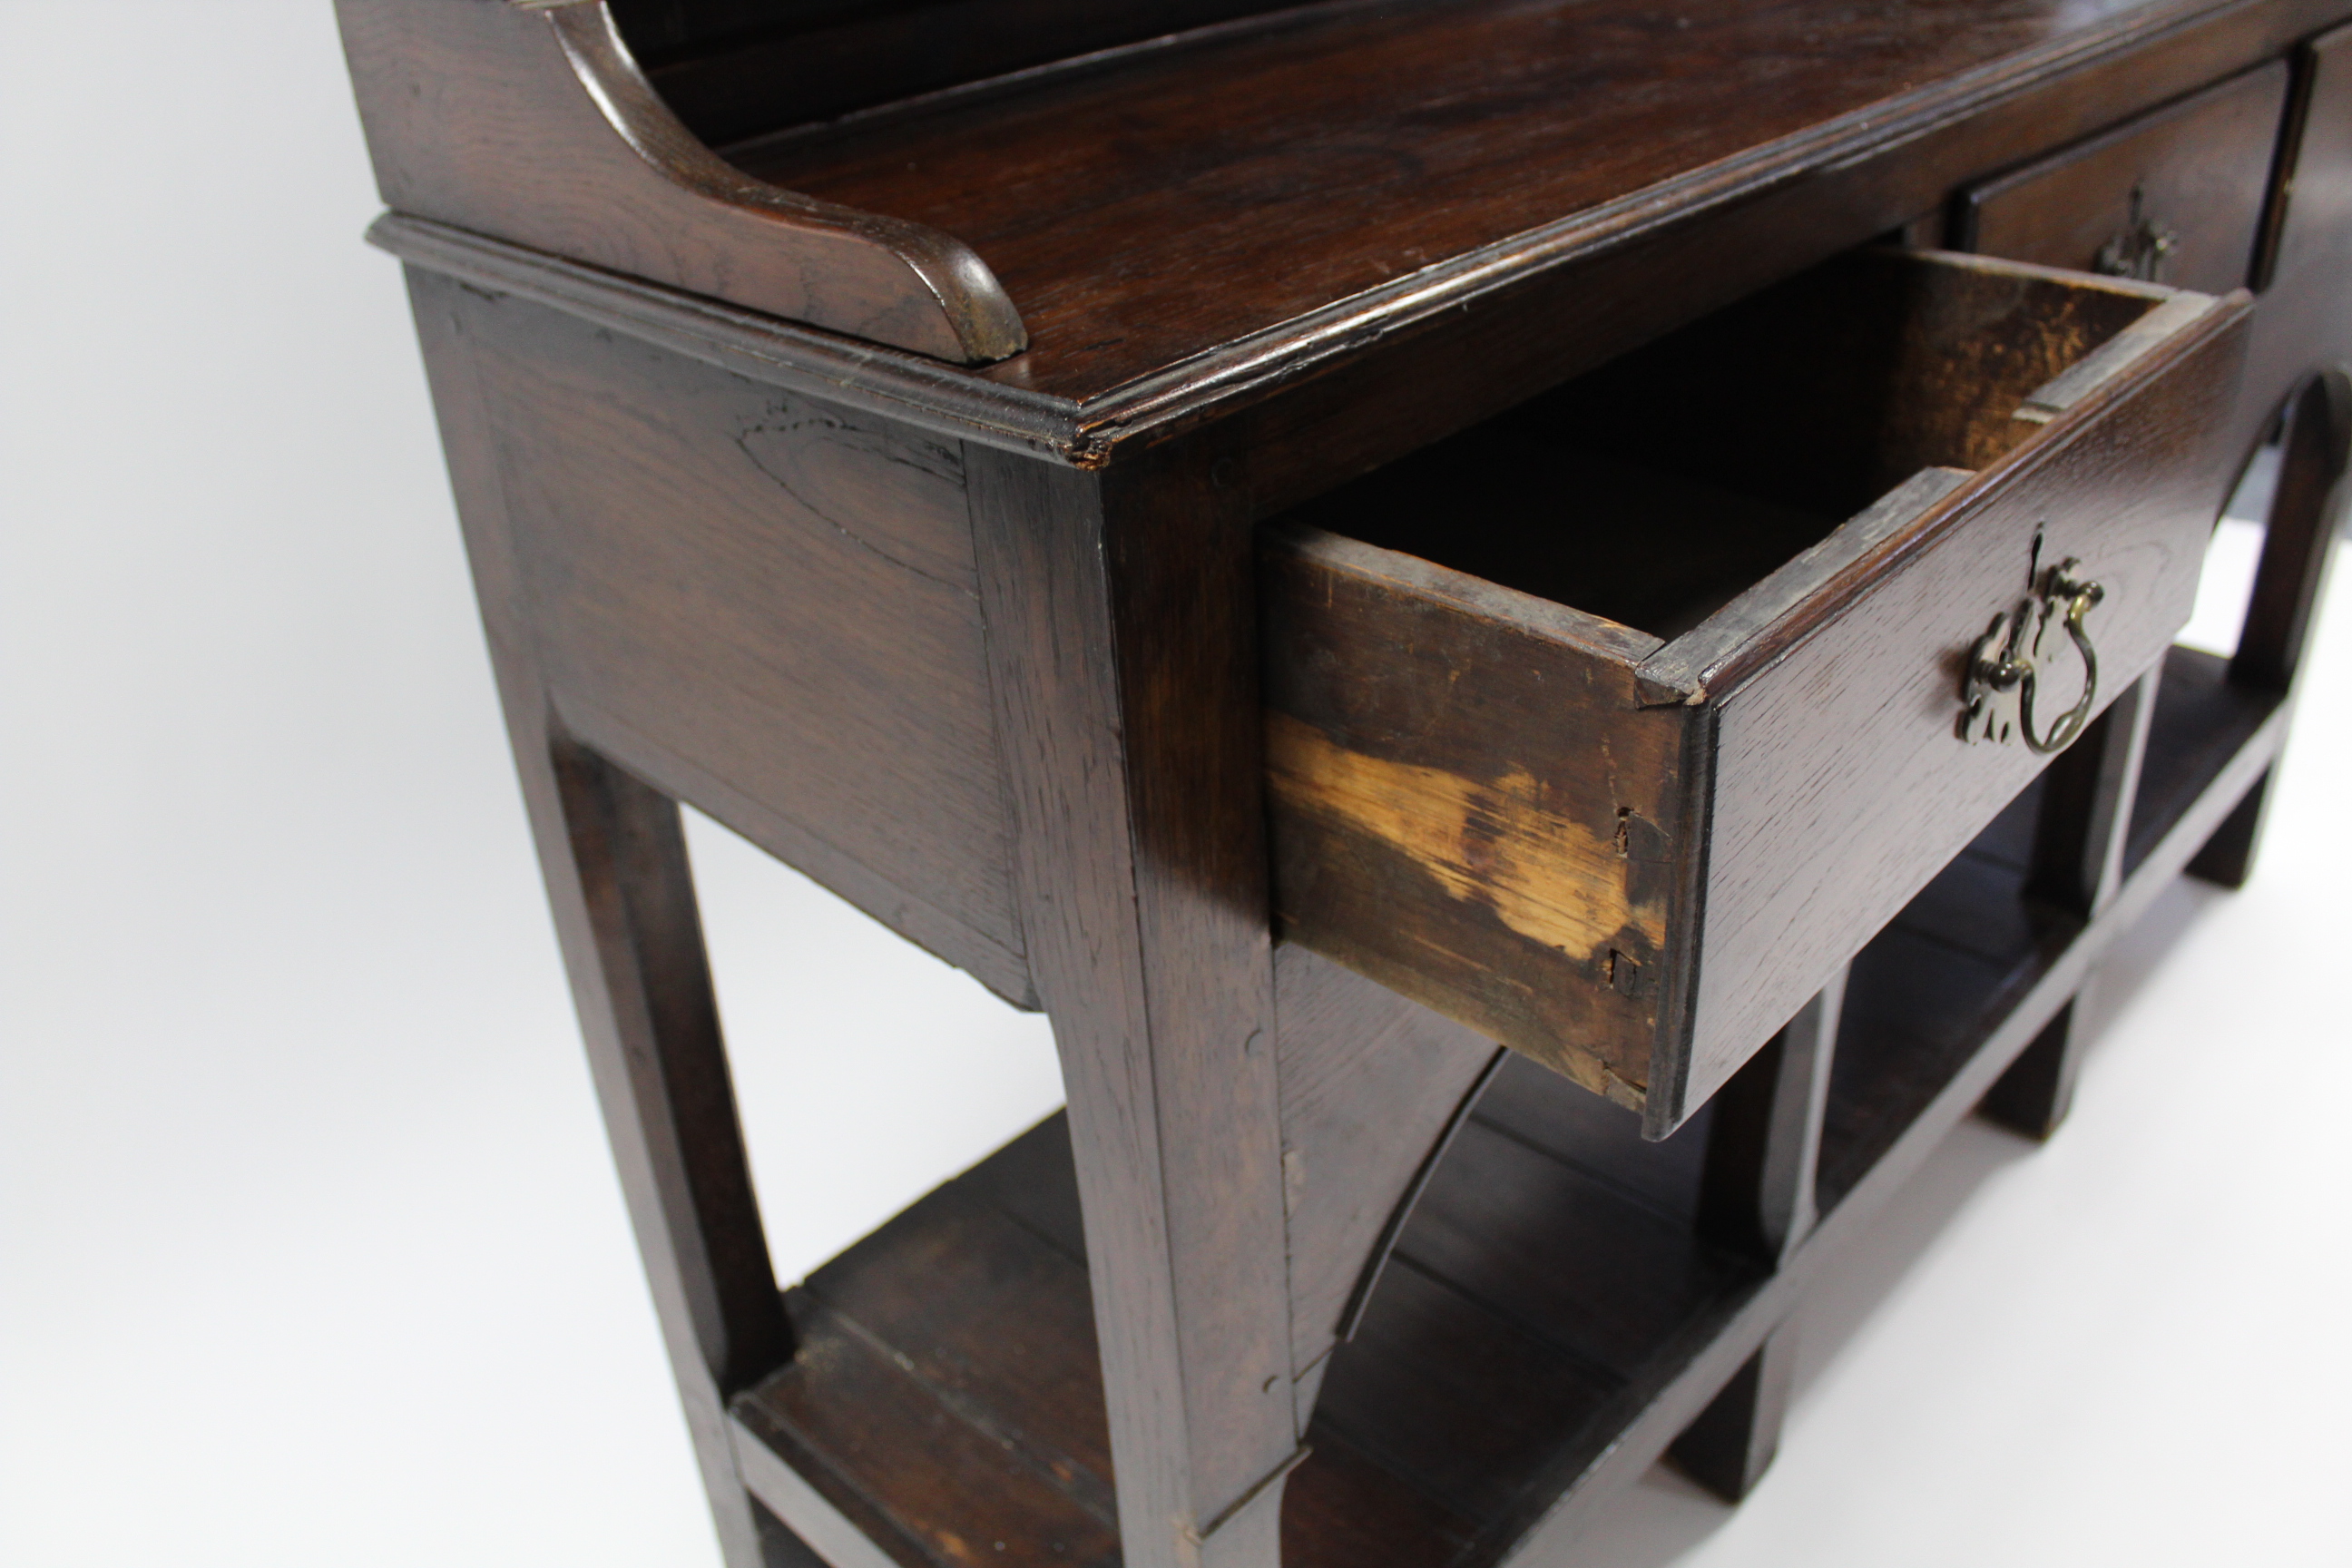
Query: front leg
x,y
1122,642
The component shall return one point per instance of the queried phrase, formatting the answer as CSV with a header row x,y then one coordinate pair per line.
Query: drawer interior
x,y
1656,489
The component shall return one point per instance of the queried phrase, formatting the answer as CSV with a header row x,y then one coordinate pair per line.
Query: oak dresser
x,y
1544,629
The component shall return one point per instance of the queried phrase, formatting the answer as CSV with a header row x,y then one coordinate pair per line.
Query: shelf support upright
x,y
2078,866
1755,1196
2306,510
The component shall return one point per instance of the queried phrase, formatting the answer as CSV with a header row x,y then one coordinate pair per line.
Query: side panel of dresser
x,y
763,606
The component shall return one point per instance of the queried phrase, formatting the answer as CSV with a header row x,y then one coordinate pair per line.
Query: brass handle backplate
x,y
2143,249
2004,667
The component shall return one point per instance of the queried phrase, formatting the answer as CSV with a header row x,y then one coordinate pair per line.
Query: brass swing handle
x,y
2002,667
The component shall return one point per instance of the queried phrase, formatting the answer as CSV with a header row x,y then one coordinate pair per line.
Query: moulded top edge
x,y
1182,228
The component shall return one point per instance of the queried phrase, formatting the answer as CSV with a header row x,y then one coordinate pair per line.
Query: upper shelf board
x,y
1176,200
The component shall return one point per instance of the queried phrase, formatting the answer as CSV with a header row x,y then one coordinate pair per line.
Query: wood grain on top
x,y
1165,201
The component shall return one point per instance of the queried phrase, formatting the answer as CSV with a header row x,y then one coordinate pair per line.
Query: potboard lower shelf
x,y
1551,1316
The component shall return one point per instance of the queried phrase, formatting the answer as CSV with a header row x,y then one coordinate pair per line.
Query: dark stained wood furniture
x,y
1407,572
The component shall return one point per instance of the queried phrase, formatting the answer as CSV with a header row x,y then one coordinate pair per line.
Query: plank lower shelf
x,y
945,1405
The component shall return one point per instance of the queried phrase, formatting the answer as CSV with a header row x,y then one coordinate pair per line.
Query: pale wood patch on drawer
x,y
1491,842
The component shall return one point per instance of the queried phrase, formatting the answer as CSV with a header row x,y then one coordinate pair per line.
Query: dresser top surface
x,y
1231,195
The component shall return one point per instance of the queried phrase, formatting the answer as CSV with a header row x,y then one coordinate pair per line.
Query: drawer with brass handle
x,y
1613,726
2174,197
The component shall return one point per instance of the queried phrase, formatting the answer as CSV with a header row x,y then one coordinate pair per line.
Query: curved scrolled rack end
x,y
529,121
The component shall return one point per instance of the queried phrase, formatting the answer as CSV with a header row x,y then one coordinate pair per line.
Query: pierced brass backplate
x,y
1997,693
2142,250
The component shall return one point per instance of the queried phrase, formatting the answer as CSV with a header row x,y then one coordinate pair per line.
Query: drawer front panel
x,y
1840,785
2175,196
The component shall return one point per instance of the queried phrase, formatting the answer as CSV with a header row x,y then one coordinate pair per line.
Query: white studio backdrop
x,y
310,1248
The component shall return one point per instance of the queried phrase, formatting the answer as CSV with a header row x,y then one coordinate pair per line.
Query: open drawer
x,y
1613,726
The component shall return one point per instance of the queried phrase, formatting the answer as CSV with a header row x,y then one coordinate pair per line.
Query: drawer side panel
x,y
1471,812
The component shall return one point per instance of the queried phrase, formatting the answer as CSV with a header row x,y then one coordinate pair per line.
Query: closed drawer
x,y
1612,727
2175,196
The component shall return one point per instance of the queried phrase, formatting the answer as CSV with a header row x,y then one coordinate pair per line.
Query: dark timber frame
x,y
1282,1285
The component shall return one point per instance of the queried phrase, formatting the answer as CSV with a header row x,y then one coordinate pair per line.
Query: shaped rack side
x,y
530,120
